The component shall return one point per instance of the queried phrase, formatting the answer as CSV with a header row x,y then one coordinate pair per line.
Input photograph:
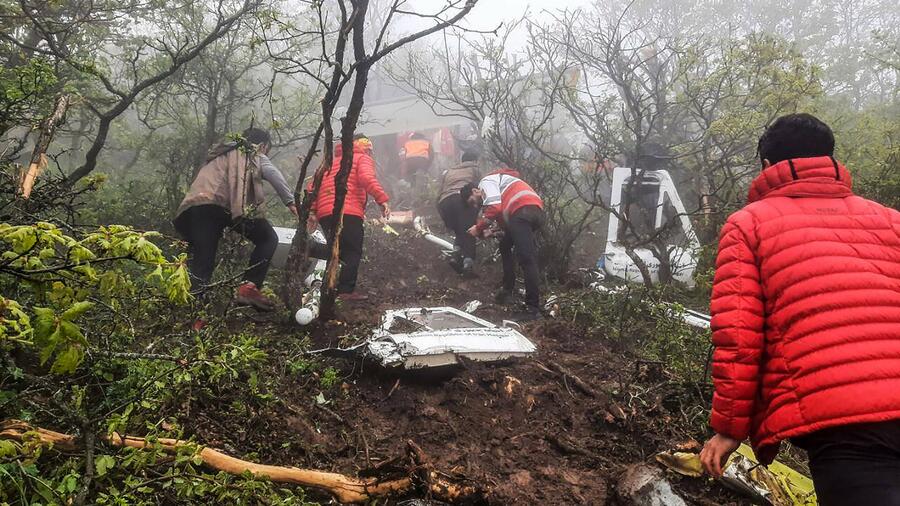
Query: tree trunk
x,y
348,128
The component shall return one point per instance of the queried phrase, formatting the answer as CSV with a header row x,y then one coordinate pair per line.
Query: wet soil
x,y
523,429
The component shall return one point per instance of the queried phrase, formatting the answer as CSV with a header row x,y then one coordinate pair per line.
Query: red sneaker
x,y
352,297
249,295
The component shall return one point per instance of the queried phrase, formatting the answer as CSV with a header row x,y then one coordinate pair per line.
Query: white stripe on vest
x,y
517,196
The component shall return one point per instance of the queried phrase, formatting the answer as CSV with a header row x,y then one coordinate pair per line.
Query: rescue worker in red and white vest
x,y
416,156
514,205
806,322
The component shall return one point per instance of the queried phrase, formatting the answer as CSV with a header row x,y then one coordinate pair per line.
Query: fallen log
x,y
345,489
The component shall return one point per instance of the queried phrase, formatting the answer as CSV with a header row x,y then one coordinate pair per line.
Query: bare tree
x,y
345,58
87,40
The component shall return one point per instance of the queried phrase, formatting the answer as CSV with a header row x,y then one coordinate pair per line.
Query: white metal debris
x,y
689,316
646,485
657,193
310,309
415,338
425,232
472,306
285,237
696,319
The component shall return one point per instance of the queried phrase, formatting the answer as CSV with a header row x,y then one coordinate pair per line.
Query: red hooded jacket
x,y
361,183
805,308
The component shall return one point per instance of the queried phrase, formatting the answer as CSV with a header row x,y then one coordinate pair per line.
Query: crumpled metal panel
x,y
416,338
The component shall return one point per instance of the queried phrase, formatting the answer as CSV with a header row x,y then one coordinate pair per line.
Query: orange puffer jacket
x,y
360,185
805,308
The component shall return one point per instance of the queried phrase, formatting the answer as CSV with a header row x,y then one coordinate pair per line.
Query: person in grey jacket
x,y
227,194
458,216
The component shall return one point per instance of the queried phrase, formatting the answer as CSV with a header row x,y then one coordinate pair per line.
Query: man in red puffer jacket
x,y
806,321
361,183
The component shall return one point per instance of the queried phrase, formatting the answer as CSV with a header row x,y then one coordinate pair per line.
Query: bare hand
x,y
473,231
716,452
385,211
293,209
311,224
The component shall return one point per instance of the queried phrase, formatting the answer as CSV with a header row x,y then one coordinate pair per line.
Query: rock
x,y
646,485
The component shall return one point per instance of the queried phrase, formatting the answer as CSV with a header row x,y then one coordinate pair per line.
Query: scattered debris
x,y
648,189
425,232
696,319
776,485
683,463
434,337
689,316
645,485
472,306
309,310
399,218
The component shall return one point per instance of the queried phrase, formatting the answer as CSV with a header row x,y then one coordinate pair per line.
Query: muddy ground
x,y
522,429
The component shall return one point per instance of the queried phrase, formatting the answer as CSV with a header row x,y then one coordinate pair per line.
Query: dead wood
x,y
38,160
613,410
346,489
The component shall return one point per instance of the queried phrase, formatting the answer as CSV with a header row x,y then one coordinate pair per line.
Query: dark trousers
x,y
417,171
519,235
855,464
352,237
459,218
202,227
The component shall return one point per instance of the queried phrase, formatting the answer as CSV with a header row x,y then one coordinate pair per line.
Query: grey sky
x,y
487,14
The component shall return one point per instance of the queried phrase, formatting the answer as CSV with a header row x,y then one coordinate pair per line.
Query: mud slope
x,y
529,432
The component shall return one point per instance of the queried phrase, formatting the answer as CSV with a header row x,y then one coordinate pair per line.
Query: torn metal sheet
x,y
776,484
285,237
415,338
645,485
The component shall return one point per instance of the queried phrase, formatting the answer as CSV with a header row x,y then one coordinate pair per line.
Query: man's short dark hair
x,y
466,191
257,136
359,136
795,136
470,156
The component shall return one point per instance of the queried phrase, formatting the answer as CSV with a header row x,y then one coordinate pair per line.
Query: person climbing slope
x,y
361,183
227,193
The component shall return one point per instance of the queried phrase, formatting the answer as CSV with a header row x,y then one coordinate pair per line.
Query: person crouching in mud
x,y
457,215
516,207
227,193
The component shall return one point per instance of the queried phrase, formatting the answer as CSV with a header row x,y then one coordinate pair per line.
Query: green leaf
x,y
72,333
75,310
102,463
44,323
68,360
49,345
